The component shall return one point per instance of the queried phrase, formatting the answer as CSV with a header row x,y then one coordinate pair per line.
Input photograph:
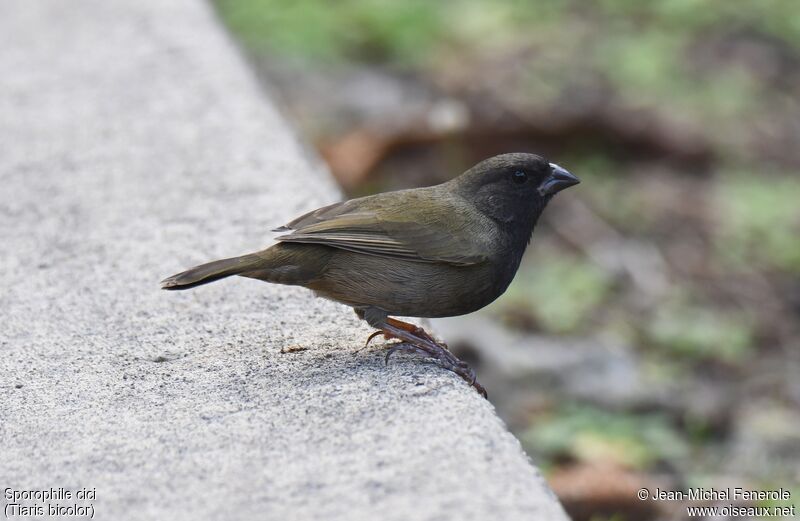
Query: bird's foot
x,y
404,347
414,339
405,326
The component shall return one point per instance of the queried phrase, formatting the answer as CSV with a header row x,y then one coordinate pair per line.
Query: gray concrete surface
x,y
135,142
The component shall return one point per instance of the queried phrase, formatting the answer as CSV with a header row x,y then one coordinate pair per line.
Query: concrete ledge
x,y
134,142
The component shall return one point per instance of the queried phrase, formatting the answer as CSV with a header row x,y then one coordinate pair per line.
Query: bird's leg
x,y
423,343
414,330
411,328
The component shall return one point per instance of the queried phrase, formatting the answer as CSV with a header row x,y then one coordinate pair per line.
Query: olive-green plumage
x,y
437,251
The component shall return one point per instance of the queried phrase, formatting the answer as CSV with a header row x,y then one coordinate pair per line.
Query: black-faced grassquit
x,y
437,251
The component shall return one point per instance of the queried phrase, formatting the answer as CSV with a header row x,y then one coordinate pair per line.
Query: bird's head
x,y
513,188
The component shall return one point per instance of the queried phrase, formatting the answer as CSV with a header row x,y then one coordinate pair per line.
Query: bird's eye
x,y
519,177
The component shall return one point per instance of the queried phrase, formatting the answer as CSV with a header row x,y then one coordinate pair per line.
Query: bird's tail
x,y
212,271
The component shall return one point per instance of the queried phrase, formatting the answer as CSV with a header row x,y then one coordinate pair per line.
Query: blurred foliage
x,y
701,332
590,434
412,31
364,30
626,209
643,49
759,220
560,292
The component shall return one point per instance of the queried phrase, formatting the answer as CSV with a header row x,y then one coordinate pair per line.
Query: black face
x,y
514,188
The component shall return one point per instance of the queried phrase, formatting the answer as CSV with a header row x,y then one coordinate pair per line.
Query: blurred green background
x,y
652,335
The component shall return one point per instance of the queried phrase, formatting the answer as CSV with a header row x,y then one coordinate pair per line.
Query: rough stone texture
x,y
134,142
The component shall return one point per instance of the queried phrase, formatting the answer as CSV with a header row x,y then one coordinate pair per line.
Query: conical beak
x,y
558,180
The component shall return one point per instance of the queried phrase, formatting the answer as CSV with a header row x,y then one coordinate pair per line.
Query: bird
x,y
436,251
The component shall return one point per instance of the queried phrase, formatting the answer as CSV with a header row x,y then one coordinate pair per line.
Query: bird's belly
x,y
408,288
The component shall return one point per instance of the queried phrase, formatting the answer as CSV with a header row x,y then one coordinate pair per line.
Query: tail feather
x,y
212,271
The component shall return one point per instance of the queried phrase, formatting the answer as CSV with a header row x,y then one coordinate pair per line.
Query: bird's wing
x,y
381,225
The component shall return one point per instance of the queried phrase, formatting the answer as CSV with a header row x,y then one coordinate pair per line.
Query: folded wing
x,y
382,225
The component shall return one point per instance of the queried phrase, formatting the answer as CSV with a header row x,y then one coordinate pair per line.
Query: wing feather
x,y
380,225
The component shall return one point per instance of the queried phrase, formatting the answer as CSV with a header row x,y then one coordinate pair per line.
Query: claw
x,y
369,339
471,377
392,350
389,353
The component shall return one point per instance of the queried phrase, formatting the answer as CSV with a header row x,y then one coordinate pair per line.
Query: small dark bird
x,y
437,251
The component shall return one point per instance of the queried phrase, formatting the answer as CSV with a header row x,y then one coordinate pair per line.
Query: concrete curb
x,y
134,142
